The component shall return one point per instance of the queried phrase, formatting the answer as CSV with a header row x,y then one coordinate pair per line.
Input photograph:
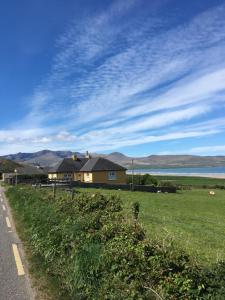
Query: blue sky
x,y
136,76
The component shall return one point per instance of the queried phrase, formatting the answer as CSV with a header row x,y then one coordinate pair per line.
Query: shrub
x,y
145,179
167,184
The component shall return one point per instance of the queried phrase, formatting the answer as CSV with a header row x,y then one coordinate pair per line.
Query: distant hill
x,y
118,157
169,161
45,158
48,158
8,166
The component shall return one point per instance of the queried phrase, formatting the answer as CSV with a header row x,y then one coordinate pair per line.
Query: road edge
x,y
28,278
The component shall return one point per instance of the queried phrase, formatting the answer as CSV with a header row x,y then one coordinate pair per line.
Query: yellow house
x,y
89,170
102,170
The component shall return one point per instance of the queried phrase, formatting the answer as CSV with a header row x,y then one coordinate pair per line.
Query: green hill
x,y
8,166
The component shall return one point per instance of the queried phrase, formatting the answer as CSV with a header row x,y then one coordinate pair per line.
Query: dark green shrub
x,y
145,179
167,184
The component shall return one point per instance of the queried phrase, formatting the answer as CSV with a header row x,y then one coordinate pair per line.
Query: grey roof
x,y
101,164
69,165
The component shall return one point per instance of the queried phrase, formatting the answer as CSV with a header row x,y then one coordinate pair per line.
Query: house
x,y
102,170
22,170
89,170
68,169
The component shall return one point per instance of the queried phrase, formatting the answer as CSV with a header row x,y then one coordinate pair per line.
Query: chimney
x,y
74,157
87,155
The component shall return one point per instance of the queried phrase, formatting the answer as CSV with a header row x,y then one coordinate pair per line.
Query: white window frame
x,y
112,175
88,176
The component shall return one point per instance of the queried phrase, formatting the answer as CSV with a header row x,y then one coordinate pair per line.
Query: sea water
x,y
180,171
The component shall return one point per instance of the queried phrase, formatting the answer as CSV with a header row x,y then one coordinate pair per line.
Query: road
x,y
14,280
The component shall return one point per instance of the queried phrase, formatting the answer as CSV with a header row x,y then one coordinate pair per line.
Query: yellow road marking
x,y
3,207
8,222
19,265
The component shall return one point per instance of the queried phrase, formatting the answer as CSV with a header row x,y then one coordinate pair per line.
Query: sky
x,y
136,76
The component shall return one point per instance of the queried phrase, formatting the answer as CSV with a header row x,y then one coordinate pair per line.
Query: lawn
x,y
193,219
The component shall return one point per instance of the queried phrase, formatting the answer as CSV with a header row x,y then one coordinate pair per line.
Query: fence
x,y
26,179
127,187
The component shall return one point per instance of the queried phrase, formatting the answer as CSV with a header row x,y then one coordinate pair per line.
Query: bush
x,y
96,252
167,184
145,179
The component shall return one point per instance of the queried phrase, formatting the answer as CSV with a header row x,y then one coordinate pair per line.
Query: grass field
x,y
191,180
193,219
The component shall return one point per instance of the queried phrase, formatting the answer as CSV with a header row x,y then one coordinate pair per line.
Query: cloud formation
x,y
122,78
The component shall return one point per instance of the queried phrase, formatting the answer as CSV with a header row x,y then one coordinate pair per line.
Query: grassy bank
x,y
94,249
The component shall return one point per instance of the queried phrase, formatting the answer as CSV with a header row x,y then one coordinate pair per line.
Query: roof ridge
x,y
87,161
100,163
112,161
58,165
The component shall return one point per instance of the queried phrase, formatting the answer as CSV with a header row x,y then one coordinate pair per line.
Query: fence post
x,y
54,190
131,186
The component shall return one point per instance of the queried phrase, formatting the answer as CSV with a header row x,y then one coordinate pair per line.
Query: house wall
x,y
78,176
102,177
5,176
94,177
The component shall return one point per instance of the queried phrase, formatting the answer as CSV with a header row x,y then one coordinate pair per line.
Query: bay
x,y
182,171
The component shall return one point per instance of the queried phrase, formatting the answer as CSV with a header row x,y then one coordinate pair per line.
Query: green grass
x,y
191,180
89,249
193,219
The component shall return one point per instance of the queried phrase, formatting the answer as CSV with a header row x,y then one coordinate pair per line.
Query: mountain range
x,y
48,158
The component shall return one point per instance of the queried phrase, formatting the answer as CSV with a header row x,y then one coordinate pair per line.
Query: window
x,y
67,176
88,177
112,175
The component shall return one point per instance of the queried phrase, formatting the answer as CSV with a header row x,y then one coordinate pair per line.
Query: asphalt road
x,y
14,280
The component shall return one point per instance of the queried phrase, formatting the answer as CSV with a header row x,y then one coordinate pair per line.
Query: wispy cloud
x,y
213,150
119,80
